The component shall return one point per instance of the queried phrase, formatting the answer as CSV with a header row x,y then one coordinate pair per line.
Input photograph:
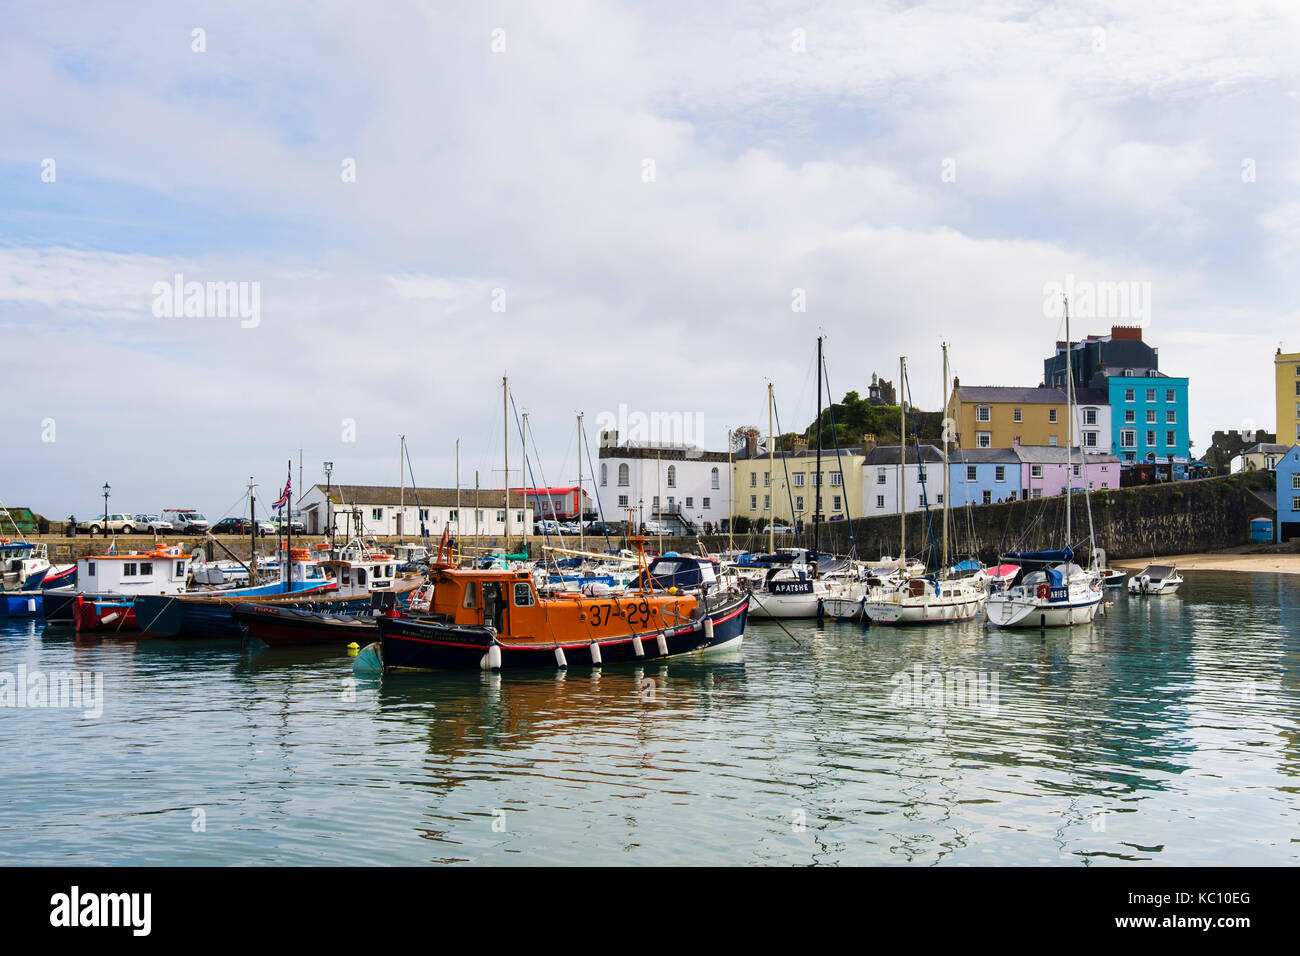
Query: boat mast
x,y
505,434
659,500
523,479
902,462
401,484
457,486
1069,425
817,491
252,539
288,540
946,489
731,492
771,467
582,545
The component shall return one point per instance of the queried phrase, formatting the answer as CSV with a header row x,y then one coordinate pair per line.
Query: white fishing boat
x,y
1057,592
1156,579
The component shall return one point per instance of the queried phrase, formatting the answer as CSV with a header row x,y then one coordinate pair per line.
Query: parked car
x,y
295,525
186,520
110,524
241,526
152,524
596,527
779,528
546,526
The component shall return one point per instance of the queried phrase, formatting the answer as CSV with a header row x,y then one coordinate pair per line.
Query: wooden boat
x,y
285,625
495,618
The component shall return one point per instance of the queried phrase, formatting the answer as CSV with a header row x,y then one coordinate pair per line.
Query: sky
x,y
655,206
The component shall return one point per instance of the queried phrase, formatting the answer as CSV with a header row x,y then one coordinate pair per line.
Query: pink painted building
x,y
1046,470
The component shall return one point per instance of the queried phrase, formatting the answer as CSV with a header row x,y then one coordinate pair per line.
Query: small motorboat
x,y
1112,577
288,626
1156,579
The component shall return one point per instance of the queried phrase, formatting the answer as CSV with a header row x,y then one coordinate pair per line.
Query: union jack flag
x,y
288,488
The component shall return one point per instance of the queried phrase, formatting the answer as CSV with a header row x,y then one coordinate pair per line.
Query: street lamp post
x,y
107,489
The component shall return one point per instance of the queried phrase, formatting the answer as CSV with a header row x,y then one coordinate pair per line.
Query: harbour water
x,y
1167,733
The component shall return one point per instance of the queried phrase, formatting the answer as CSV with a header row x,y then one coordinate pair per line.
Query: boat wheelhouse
x,y
164,570
23,566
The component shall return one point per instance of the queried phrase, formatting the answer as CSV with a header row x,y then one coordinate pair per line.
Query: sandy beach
x,y
1222,561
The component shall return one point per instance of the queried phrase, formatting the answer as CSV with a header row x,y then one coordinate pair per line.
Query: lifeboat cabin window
x,y
146,567
90,569
128,569
523,595
346,574
471,594
180,569
361,577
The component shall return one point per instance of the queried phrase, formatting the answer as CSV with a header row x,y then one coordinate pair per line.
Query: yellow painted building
x,y
994,416
1286,370
791,479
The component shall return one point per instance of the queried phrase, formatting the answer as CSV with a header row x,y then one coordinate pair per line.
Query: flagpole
x,y
288,533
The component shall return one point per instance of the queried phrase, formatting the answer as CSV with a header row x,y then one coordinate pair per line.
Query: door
x,y
494,606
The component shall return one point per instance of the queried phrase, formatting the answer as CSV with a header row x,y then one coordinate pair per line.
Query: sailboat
x,y
1057,592
926,599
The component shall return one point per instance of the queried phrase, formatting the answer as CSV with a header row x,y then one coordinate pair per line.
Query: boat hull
x,y
292,627
1041,614
111,616
170,615
412,644
939,611
21,604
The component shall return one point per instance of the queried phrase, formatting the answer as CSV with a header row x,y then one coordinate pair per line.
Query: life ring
x,y
1044,591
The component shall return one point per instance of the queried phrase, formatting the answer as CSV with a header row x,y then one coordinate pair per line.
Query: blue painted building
x,y
1148,415
983,476
1288,495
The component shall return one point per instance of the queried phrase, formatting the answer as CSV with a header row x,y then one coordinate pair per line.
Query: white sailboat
x,y
1059,593
925,600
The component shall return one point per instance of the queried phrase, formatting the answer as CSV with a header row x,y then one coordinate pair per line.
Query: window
x,y
1170,439
1089,439
1038,493
983,413
988,497
716,480
880,501
835,503
1295,504
753,502
655,503
705,503
1052,441
604,474
128,569
1297,388
622,476
1128,394
519,517
523,594
146,567
622,501
767,502
453,515
90,569
1000,473
971,473
984,439
798,479
1051,415
1151,394
377,514
471,594
798,502
1076,471
1151,416
424,514
1035,471
940,498
1130,416
180,569
816,478
1295,481
478,514
1171,417
1090,416
1151,437
1017,415
837,479
672,476
501,516
1128,438
753,479
1169,395
880,476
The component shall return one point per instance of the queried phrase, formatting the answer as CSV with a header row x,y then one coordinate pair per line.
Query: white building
x,y
679,485
378,510
1092,421
880,479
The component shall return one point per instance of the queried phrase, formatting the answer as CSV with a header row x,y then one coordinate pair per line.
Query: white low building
x,y
880,473
379,510
678,485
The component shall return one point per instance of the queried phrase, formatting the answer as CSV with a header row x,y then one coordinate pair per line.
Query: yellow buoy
x,y
353,648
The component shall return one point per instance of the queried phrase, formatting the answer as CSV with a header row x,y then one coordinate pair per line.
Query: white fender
x,y
559,657
595,653
663,645
708,628
637,649
494,657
